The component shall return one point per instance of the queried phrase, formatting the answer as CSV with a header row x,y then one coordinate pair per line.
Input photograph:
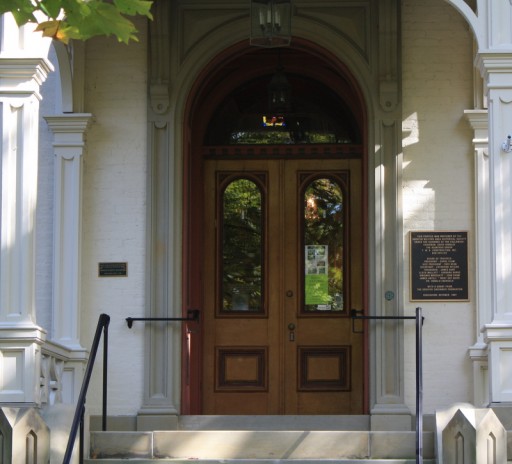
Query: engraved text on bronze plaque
x,y
439,266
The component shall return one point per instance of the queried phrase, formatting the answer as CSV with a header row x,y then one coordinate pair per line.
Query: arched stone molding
x,y
70,69
490,22
470,16
171,85
62,53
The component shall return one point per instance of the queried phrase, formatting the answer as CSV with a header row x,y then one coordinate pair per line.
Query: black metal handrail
x,y
78,419
192,315
419,373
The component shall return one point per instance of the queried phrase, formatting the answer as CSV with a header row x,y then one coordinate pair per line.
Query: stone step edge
x,y
267,446
257,461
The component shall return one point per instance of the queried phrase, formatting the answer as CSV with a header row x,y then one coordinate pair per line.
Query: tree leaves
x,y
80,19
22,10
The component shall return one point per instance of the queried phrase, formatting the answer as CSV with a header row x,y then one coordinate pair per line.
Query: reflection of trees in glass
x,y
276,137
242,247
262,137
323,225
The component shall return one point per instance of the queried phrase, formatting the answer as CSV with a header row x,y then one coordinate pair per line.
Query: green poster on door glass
x,y
316,281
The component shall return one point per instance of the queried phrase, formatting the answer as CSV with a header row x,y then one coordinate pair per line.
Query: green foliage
x,y
242,257
79,19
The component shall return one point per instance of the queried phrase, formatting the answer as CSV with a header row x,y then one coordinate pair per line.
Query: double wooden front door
x,y
283,266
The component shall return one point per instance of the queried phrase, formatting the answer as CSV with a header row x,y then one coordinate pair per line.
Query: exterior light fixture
x,y
279,91
271,23
506,146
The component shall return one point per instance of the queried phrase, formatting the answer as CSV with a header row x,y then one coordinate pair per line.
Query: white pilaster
x,y
23,68
69,131
387,337
496,68
478,119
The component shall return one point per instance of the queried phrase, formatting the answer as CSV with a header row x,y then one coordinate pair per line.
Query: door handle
x,y
291,333
353,315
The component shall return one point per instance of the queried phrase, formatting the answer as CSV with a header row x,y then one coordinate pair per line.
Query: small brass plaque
x,y
112,269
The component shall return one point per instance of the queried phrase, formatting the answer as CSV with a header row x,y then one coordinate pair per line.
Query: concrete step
x,y
266,422
258,461
269,446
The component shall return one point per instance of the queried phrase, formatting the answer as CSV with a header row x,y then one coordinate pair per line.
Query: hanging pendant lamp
x,y
279,91
271,23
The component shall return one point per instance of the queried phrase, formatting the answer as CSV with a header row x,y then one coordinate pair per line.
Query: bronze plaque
x,y
112,269
439,266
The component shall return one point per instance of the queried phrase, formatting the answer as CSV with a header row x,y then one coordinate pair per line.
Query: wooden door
x,y
283,265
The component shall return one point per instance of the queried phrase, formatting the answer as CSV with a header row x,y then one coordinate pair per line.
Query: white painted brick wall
x,y
438,185
44,212
437,194
114,211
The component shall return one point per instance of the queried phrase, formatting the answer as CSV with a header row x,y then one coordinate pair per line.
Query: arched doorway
x,y
275,239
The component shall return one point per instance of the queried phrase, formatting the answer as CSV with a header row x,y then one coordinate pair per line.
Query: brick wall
x,y
114,209
438,184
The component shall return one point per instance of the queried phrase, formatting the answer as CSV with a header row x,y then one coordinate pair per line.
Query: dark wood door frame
x,y
238,64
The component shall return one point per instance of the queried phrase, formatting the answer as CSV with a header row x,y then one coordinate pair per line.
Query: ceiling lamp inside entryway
x,y
279,91
271,23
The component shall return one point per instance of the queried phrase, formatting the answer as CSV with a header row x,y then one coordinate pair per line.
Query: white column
x,y
478,119
162,345
496,68
388,408
22,71
69,131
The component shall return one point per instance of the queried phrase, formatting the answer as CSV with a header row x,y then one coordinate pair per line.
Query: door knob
x,y
291,335
289,293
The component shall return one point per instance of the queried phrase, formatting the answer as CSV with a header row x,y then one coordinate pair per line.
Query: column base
x,y
498,337
20,364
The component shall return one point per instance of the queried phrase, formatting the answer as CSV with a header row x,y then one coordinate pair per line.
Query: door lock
x,y
291,334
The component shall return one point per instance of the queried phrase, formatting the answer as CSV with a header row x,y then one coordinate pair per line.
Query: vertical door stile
x,y
287,356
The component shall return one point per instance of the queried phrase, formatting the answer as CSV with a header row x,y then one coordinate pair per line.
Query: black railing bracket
x,y
192,316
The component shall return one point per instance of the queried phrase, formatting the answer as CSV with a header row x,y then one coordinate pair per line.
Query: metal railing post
x,y
105,370
81,437
419,372
78,417
419,387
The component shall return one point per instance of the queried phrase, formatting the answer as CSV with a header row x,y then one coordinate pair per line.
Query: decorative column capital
x,y
479,122
495,67
69,130
23,76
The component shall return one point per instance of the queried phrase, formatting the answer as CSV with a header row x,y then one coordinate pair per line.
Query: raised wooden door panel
x,y
277,334
241,348
324,365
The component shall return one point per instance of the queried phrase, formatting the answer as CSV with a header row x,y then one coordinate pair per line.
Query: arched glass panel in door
x,y
317,115
324,246
241,247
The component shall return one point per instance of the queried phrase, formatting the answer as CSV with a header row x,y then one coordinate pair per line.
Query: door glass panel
x,y
317,116
323,239
242,247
